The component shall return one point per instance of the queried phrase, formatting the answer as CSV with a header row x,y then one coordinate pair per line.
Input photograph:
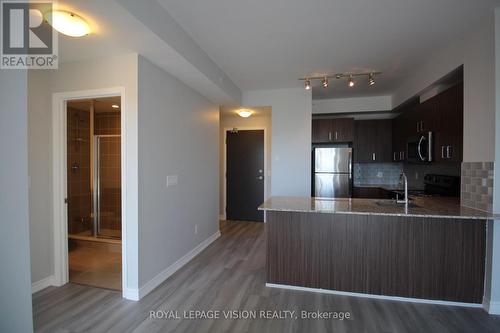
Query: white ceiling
x,y
266,44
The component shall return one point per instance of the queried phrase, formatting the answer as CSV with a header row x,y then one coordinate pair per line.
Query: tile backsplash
x,y
377,173
477,185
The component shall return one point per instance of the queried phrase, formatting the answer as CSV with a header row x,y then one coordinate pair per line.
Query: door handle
x,y
422,158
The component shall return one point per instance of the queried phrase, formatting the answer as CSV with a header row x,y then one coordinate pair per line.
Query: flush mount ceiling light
x,y
348,76
245,113
114,106
68,23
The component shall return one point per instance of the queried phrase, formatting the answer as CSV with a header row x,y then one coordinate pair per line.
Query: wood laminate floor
x,y
230,275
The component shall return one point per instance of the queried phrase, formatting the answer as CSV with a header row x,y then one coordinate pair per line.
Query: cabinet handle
x,y
401,155
335,135
329,136
442,151
449,151
394,156
373,156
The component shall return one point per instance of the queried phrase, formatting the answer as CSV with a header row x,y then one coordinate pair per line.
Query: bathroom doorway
x,y
94,210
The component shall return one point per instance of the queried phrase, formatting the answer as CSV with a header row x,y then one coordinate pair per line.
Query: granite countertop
x,y
432,207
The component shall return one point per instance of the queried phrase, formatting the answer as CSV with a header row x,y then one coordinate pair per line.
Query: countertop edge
x,y
453,217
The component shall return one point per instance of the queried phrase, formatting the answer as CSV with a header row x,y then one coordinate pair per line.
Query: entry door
x,y
244,175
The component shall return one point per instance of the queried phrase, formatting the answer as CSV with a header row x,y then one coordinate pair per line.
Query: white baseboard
x,y
42,284
165,274
383,297
492,308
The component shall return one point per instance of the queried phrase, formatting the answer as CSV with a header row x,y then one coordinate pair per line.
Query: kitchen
x,y
389,214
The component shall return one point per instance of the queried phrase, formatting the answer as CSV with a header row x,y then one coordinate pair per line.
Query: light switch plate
x,y
172,180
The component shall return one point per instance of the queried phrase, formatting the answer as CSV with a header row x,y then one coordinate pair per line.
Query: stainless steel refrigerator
x,y
332,172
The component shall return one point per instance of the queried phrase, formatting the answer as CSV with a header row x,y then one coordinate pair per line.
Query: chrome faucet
x,y
403,178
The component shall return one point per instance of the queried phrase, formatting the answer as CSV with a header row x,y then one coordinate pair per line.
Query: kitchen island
x,y
434,249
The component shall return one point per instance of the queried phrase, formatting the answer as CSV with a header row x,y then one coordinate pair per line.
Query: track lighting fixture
x,y
349,76
351,81
308,84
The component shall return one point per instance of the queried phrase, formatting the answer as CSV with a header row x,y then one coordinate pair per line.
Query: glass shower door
x,y
107,187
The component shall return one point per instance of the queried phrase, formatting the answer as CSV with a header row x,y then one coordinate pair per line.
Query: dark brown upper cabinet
x,y
373,141
443,116
332,130
448,132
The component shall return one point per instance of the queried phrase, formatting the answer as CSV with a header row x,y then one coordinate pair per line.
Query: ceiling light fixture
x,y
325,82
307,84
68,23
351,81
114,106
371,79
245,113
349,76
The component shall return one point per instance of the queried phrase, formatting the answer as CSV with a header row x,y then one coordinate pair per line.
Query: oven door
x,y
419,148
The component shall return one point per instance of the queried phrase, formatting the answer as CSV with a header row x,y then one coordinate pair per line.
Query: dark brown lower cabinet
x,y
428,258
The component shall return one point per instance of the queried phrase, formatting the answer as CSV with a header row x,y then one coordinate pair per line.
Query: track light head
x,y
351,81
325,82
371,79
307,84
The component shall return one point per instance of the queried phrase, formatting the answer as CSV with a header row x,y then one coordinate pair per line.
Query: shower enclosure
x,y
94,169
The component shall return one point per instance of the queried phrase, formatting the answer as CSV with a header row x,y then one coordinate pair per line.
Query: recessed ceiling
x,y
269,44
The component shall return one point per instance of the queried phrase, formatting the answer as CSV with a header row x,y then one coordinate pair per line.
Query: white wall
x,y
355,104
118,71
291,138
492,282
178,135
261,120
40,171
475,50
15,282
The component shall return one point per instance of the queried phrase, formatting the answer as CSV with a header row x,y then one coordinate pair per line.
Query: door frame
x,y
59,174
224,187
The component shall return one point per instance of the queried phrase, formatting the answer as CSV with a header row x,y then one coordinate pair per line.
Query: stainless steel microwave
x,y
419,148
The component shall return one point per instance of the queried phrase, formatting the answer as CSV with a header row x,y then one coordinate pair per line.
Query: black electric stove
x,y
441,185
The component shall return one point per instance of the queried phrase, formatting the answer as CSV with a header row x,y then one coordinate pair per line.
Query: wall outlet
x,y
195,229
172,180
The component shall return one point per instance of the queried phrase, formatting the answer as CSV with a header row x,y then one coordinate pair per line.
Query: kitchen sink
x,y
394,204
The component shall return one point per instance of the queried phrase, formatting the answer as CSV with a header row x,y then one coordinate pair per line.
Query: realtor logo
x,y
28,40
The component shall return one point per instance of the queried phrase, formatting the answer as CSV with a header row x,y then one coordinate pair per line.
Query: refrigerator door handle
x,y
350,165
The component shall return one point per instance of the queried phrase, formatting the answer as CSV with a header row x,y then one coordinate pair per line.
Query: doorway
x,y
245,174
94,221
